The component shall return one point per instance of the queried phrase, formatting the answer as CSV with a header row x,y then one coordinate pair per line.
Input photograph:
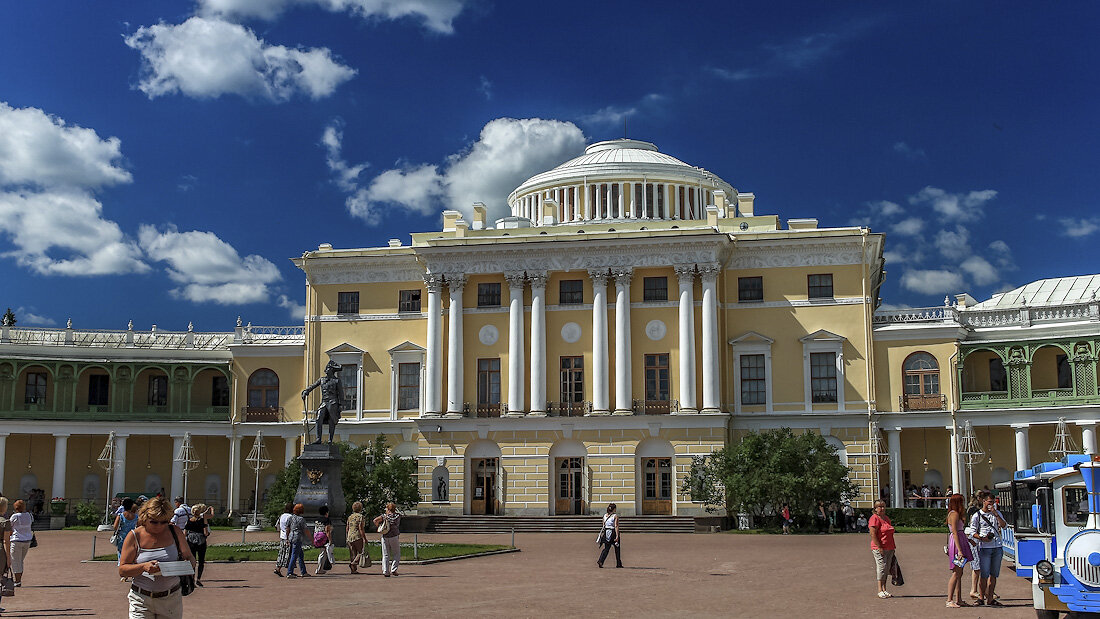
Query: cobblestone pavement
x,y
715,575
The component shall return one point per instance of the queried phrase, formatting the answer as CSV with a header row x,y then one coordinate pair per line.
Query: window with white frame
x,y
823,369
407,384
350,359
752,379
752,360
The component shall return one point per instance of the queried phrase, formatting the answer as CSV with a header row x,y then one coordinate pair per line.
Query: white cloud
x,y
954,206
207,268
1077,228
980,270
26,316
932,281
894,306
953,244
37,149
436,15
908,227
208,58
346,175
486,88
885,208
614,115
297,310
792,55
907,151
507,152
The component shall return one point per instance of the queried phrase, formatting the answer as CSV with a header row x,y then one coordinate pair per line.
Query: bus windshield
x,y
1023,499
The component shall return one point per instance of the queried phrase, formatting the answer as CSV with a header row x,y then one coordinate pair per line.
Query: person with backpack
x,y
609,536
322,538
986,526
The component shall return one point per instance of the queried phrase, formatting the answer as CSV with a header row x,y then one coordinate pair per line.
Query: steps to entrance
x,y
556,524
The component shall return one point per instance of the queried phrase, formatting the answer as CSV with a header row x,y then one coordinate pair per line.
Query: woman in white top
x,y
283,559
21,536
155,540
609,536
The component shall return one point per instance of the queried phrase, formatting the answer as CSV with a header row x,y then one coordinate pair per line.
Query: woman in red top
x,y
882,545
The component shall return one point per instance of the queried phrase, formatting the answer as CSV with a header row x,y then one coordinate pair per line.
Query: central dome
x,y
618,180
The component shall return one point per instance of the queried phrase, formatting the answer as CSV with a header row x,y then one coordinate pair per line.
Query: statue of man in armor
x,y
329,411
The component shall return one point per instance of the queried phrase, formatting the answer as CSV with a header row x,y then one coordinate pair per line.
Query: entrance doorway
x,y
570,493
484,485
657,497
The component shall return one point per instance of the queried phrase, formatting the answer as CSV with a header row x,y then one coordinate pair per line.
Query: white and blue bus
x,y
1053,513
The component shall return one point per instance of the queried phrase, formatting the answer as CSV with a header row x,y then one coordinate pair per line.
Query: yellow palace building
x,y
633,312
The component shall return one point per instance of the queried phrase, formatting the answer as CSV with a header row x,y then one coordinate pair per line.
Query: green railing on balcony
x,y
105,413
1039,398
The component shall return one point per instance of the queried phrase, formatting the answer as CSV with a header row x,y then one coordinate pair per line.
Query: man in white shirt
x,y
181,514
987,524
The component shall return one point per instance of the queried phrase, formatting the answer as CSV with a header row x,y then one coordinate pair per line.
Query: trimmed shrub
x,y
917,516
87,514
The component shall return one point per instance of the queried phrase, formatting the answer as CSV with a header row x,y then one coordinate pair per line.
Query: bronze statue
x,y
329,411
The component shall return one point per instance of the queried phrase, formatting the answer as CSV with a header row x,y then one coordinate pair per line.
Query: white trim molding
x,y
752,343
822,341
405,352
346,353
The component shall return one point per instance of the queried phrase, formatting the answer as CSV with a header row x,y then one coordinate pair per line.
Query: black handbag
x,y
187,583
34,541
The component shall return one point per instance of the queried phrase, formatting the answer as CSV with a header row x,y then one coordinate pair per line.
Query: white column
x,y
587,203
674,200
455,284
118,478
645,202
60,462
515,343
622,201
233,495
1088,438
631,203
433,371
290,449
686,277
1023,455
599,342
176,486
577,215
3,450
893,443
609,205
538,344
623,375
956,478
712,389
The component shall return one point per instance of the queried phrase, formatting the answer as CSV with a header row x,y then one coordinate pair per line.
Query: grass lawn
x,y
269,551
779,531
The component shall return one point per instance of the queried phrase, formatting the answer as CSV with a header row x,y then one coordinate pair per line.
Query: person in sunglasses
x,y
154,540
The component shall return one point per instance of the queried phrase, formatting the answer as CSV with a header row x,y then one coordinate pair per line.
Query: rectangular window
x,y
1065,379
349,385
36,388
752,380
750,289
408,386
488,295
820,286
998,378
158,391
488,383
98,386
572,380
347,303
409,301
655,289
570,292
656,378
219,391
1077,506
823,377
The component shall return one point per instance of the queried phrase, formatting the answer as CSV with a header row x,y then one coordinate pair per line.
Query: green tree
x,y
369,474
766,470
9,319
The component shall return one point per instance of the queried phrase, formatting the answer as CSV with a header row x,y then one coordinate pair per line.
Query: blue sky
x,y
162,161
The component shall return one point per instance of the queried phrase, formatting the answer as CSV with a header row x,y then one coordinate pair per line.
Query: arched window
x,y
922,383
263,389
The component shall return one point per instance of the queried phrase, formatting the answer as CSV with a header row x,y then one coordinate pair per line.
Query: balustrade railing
x,y
656,407
921,402
262,413
568,409
996,317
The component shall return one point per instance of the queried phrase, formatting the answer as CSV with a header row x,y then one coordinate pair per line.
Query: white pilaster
x,y
538,344
60,462
686,276
956,478
1088,438
233,495
599,342
712,388
290,449
176,485
1023,454
623,391
645,201
118,478
609,204
455,283
893,445
515,343
433,371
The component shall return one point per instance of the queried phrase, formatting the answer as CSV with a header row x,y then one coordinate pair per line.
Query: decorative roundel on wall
x,y
570,332
655,330
488,335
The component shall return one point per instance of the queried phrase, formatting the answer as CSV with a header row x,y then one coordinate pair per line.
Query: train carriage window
x,y
1022,500
1076,507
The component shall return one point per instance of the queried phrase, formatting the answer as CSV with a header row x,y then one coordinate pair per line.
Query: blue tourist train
x,y
1053,512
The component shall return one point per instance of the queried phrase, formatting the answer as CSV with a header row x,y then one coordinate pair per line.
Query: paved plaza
x,y
715,575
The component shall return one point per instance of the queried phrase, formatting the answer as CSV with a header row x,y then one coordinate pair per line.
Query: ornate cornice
x,y
794,253
337,270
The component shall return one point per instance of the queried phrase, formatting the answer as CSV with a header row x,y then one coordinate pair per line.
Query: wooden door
x,y
570,486
482,486
657,493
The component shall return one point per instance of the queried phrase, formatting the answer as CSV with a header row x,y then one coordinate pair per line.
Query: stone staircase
x,y
556,524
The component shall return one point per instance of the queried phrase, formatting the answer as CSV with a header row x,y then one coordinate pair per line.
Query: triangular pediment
x,y
344,349
821,335
752,337
407,346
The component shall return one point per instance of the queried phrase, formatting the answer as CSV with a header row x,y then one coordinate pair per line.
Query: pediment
x,y
751,337
821,335
344,349
407,346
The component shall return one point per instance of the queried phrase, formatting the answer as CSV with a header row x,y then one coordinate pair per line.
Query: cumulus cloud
x,y
1076,228
953,244
964,207
908,152
208,58
908,227
28,317
614,115
885,208
207,268
297,310
507,152
435,15
932,281
346,176
980,270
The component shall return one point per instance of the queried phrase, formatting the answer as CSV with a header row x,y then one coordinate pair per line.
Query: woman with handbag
x,y
389,525
125,522
154,541
609,536
197,530
21,538
958,549
357,538
7,586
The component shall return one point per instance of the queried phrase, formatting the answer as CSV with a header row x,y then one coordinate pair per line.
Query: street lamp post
x,y
107,461
257,460
187,459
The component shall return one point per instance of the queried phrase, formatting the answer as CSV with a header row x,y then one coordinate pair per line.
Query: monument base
x,y
320,484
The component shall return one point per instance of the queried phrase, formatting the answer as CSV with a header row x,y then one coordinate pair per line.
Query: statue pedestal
x,y
321,484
